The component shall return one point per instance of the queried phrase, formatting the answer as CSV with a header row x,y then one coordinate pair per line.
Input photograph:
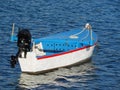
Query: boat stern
x,y
28,64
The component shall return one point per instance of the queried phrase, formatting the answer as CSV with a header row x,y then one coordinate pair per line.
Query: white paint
x,y
31,64
38,49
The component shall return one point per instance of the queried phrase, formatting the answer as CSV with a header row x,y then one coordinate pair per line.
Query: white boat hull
x,y
31,64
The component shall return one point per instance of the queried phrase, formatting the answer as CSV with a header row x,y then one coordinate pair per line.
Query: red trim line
x,y
43,57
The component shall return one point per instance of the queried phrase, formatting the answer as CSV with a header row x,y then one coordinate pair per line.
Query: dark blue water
x,y
45,17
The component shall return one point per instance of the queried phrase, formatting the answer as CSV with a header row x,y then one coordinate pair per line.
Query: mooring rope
x,y
75,35
86,35
78,33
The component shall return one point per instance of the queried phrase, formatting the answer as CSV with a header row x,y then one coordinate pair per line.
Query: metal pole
x,y
91,36
12,34
13,27
88,26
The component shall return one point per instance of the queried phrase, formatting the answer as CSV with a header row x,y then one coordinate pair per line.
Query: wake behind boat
x,y
55,51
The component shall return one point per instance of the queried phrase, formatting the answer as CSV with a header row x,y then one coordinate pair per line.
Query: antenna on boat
x,y
89,27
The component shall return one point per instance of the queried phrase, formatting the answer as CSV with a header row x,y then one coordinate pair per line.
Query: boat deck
x,y
66,41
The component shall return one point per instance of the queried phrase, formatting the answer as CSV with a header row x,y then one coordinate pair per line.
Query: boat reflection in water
x,y
60,77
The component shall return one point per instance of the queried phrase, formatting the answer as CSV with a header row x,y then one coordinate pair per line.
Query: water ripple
x,y
44,17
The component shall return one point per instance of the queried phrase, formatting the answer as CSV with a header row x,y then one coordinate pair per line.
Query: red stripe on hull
x,y
43,57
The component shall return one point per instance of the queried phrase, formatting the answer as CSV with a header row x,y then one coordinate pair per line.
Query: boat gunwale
x,y
62,53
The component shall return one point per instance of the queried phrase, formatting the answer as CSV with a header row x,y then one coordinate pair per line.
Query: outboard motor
x,y
24,42
24,45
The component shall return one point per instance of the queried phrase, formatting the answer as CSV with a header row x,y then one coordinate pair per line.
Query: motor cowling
x,y
24,39
23,42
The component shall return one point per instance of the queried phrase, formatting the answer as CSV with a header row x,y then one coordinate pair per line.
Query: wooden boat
x,y
54,51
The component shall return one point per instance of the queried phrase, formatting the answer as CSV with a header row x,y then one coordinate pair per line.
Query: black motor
x,y
23,43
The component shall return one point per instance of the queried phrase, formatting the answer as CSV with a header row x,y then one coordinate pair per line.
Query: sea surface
x,y
46,17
